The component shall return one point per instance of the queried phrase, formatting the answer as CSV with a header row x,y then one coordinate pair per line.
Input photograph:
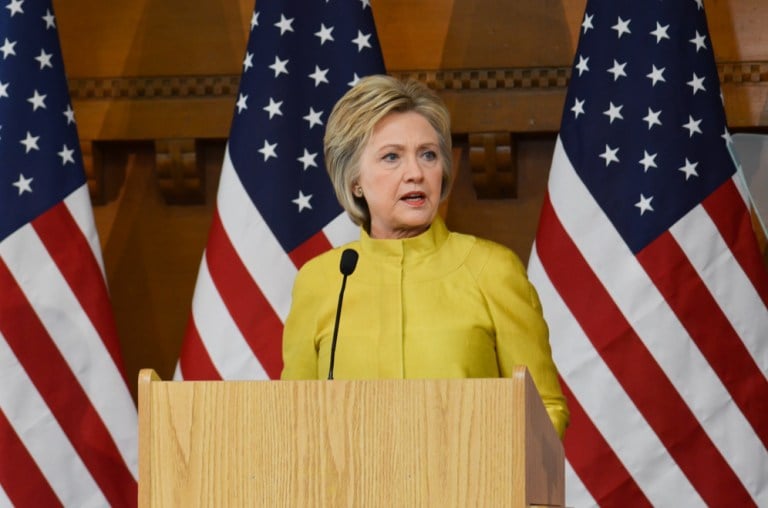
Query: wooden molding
x,y
180,171
493,165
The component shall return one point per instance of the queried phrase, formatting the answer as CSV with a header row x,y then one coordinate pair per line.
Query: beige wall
x,y
154,81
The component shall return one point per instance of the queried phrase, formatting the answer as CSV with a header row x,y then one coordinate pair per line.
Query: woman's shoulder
x,y
327,261
484,254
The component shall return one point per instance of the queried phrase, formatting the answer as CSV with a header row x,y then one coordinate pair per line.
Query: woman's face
x,y
401,175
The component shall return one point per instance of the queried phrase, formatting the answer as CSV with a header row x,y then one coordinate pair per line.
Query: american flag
x,y
67,419
649,273
275,207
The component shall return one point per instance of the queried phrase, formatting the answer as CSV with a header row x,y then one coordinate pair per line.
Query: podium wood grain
x,y
347,443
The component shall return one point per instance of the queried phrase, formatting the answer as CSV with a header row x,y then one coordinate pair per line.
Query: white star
x,y
726,136
7,48
273,108
699,3
582,65
70,114
50,20
302,201
366,3
355,79
37,100
587,23
15,7
248,61
698,41
578,108
308,159
697,84
66,155
614,112
660,32
609,155
648,161
268,150
689,169
285,25
254,20
319,75
644,204
618,70
652,118
324,34
44,59
242,103
656,75
313,118
23,184
4,89
622,27
362,41
30,142
280,66
692,126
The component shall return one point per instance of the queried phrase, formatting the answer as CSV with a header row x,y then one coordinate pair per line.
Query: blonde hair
x,y
351,124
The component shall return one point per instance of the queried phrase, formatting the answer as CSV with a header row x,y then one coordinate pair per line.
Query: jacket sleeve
x,y
300,329
522,336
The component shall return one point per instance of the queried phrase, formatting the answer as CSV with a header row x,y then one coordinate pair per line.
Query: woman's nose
x,y
412,170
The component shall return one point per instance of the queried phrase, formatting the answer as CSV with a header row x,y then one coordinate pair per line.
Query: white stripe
x,y
42,437
4,500
79,205
723,276
75,337
341,230
654,322
576,494
226,346
612,412
258,249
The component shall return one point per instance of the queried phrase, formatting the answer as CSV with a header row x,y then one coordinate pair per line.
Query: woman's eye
x,y
430,155
391,157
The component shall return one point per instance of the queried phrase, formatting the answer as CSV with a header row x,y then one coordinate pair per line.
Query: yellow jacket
x,y
439,305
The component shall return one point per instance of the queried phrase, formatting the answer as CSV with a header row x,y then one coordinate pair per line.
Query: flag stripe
x,y
221,337
74,258
727,210
600,394
43,436
631,363
51,376
194,361
250,311
317,244
24,482
599,468
671,271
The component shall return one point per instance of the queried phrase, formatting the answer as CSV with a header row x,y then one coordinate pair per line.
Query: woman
x,y
423,302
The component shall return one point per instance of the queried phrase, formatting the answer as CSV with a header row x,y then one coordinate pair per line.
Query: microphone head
x,y
348,261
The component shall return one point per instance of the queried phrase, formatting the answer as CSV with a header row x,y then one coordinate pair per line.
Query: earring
x,y
359,191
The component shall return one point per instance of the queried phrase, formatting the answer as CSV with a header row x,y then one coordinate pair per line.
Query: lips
x,y
414,198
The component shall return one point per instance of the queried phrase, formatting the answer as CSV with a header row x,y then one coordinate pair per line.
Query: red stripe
x,y
598,467
74,258
701,316
249,308
316,245
20,477
634,367
62,393
731,217
194,360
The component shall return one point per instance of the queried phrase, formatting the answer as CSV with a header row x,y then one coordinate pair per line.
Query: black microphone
x,y
347,266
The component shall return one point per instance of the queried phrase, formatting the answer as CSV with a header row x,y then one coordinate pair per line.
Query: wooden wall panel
x,y
154,82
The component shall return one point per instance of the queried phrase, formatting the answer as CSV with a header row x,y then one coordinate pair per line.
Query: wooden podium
x,y
389,443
